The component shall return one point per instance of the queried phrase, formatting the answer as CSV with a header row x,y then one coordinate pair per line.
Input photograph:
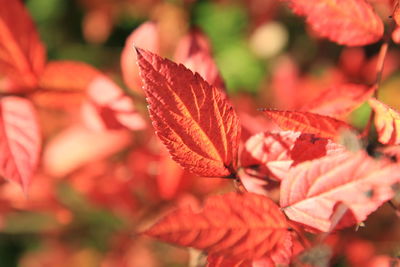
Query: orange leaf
x,y
239,226
339,100
20,140
194,52
63,84
146,37
347,22
67,76
64,100
306,122
22,55
193,119
387,122
108,107
313,191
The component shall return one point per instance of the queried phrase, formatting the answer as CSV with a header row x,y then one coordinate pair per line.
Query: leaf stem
x,y
379,70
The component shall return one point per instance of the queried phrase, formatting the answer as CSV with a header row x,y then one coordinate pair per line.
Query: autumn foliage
x,y
176,145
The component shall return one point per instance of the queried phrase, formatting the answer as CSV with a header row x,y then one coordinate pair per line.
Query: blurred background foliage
x,y
95,32
250,40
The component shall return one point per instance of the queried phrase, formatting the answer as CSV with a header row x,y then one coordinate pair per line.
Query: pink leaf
x,y
77,146
337,190
20,140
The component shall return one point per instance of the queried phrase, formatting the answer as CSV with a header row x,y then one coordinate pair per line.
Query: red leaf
x,y
20,140
387,122
244,227
347,22
193,119
306,122
145,36
315,191
109,107
22,55
339,100
274,153
194,52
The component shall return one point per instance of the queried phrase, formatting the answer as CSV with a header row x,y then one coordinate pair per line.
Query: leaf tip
x,y
138,50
